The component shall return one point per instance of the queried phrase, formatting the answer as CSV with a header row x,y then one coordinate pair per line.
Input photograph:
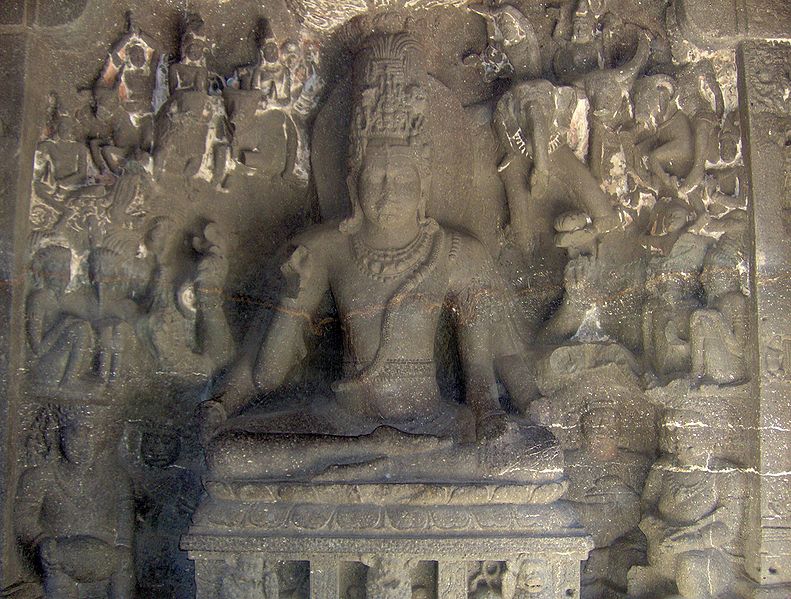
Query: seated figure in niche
x,y
190,132
692,508
662,134
63,344
75,512
61,165
718,332
118,135
267,69
390,270
699,99
677,122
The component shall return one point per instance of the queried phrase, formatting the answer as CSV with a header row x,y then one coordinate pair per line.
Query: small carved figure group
x,y
83,333
633,151
632,163
626,143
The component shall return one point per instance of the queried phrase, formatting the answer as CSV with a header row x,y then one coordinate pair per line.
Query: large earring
x,y
425,191
352,223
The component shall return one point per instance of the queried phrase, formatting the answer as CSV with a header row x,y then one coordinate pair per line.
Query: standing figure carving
x,y
62,344
604,487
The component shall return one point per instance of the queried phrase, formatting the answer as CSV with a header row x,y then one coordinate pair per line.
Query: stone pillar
x,y
765,97
13,50
21,107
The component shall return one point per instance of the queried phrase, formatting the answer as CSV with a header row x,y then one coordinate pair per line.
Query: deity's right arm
x,y
30,494
306,281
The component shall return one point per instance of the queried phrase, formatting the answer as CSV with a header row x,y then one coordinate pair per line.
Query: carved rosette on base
x,y
335,527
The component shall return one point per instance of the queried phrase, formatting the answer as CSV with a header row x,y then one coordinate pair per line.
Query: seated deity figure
x,y
62,164
118,135
692,505
662,134
75,512
390,270
190,132
266,70
190,73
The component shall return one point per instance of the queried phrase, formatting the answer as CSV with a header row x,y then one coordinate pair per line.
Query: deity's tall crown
x,y
390,104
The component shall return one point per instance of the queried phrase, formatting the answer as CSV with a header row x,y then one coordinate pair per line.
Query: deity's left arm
x,y
214,334
30,494
474,305
652,524
125,514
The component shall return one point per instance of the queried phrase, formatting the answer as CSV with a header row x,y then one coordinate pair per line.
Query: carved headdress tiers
x,y
390,105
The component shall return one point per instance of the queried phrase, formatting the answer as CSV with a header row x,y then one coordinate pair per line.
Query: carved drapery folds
x,y
515,297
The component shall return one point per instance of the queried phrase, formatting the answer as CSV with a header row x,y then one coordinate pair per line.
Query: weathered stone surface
x,y
395,299
12,12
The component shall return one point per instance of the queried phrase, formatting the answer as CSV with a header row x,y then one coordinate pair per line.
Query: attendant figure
x,y
692,508
76,512
62,344
718,333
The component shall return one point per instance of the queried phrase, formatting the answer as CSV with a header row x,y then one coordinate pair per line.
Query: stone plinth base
x,y
384,541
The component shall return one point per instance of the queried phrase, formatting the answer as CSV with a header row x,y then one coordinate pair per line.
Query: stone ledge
x,y
426,547
385,494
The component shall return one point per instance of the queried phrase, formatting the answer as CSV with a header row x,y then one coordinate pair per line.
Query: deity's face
x,y
598,427
652,99
66,129
389,188
681,440
720,279
136,56
160,449
291,55
270,52
193,49
78,443
54,270
583,24
530,585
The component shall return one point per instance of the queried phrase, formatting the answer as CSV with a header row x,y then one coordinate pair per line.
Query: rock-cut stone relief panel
x,y
529,308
